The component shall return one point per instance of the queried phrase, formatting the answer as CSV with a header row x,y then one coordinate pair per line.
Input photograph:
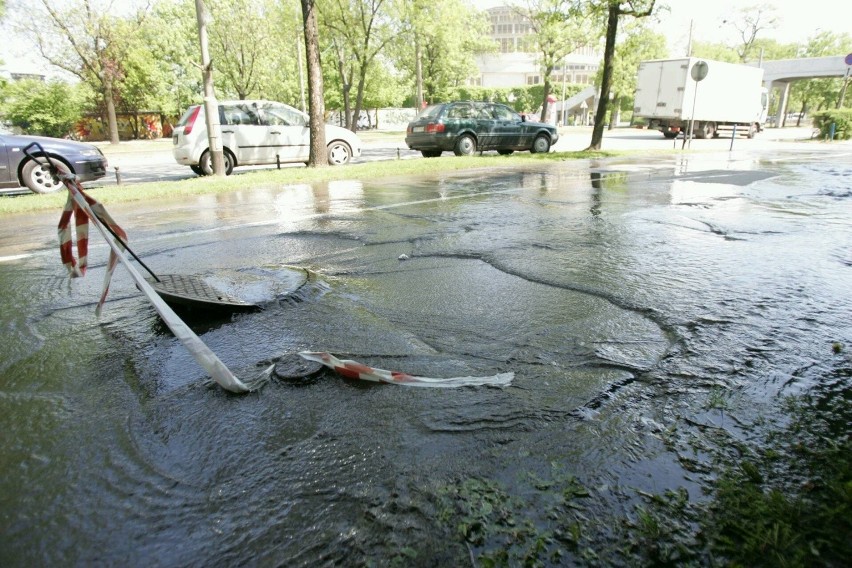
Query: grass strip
x,y
29,203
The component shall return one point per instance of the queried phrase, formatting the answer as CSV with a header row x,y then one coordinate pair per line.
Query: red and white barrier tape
x,y
354,370
81,217
82,206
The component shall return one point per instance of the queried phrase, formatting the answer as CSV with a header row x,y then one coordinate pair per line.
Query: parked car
x,y
16,170
466,127
256,133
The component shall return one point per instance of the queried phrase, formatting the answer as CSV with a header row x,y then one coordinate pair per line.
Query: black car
x,y
466,127
84,160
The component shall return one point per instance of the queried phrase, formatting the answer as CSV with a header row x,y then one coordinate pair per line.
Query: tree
x,y
639,44
715,52
242,47
316,106
750,22
85,40
46,108
360,30
820,93
612,10
556,33
437,45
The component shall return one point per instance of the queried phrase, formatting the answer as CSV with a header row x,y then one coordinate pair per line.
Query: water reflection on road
x,y
615,290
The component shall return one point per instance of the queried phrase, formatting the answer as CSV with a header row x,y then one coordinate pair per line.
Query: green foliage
x,y
840,118
522,99
170,36
715,52
786,503
500,529
793,507
449,34
43,108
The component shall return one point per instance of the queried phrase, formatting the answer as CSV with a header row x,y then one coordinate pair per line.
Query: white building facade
x,y
517,64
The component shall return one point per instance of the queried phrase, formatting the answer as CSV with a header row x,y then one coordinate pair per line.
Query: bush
x,y
842,120
522,99
46,108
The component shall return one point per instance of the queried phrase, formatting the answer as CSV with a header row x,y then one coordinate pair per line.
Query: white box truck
x,y
727,96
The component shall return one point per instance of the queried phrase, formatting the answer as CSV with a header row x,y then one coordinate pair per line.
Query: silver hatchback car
x,y
257,132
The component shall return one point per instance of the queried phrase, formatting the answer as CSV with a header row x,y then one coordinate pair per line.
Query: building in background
x,y
517,64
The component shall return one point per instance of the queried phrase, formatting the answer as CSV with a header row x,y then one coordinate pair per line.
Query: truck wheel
x,y
752,130
706,130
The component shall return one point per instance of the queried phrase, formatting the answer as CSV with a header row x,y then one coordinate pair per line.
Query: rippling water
x,y
608,288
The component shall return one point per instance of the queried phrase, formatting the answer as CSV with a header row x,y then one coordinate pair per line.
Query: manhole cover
x,y
293,366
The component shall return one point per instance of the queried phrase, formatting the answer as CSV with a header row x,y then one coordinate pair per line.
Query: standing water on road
x,y
623,294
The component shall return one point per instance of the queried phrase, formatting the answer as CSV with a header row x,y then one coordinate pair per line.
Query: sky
x,y
797,20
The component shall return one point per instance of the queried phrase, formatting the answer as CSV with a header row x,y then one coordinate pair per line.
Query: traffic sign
x,y
849,59
699,70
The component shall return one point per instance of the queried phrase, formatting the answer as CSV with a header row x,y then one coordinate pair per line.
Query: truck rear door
x,y
660,88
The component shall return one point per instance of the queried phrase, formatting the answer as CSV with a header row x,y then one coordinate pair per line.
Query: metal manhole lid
x,y
189,289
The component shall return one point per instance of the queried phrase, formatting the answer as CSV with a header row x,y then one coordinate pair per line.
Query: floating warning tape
x,y
354,370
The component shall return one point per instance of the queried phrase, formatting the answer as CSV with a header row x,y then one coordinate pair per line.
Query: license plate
x,y
417,129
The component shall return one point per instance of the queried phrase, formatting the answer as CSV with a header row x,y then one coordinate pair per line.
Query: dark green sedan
x,y
467,127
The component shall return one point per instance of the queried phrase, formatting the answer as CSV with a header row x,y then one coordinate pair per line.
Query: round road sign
x,y
848,59
699,70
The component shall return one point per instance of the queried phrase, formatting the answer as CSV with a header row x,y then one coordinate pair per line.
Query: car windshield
x,y
501,112
278,114
430,111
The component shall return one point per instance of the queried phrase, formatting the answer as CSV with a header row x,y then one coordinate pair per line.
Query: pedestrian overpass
x,y
782,73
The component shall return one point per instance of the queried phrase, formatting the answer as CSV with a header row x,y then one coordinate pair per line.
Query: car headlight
x,y
91,153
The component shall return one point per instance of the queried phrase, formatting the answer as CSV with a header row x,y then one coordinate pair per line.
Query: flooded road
x,y
632,299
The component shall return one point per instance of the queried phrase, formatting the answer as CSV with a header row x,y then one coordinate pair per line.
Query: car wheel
x,y
505,152
431,153
197,169
38,179
541,145
206,162
339,153
465,146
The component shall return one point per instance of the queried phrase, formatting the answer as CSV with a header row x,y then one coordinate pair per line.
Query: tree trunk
x,y
359,98
347,86
316,104
606,82
615,112
112,120
418,73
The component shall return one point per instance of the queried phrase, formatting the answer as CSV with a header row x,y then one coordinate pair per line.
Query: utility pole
x,y
211,109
